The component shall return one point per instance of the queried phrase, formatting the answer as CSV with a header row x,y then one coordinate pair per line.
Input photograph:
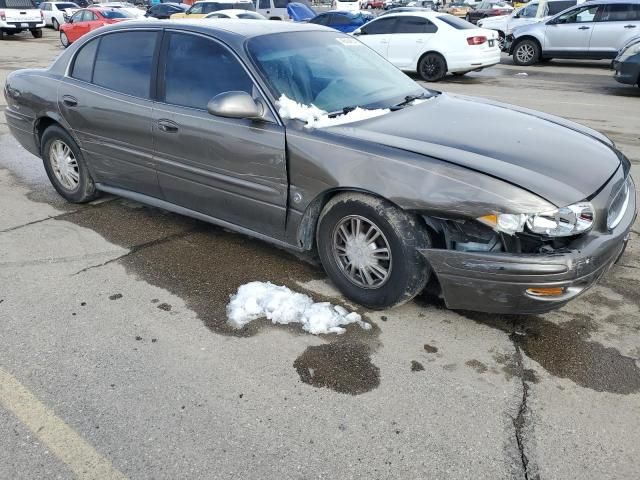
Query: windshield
x,y
329,70
63,6
111,14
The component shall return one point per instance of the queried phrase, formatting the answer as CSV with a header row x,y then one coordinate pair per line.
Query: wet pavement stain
x,y
564,350
430,349
477,365
416,366
341,366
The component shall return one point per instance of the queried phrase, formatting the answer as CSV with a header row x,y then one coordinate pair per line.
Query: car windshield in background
x,y
112,14
250,16
456,22
329,70
214,7
64,6
17,4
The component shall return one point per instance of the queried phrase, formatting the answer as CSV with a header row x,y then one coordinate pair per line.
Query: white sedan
x,y
236,13
431,43
56,13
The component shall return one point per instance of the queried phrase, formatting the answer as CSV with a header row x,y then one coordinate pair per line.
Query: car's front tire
x,y
65,166
432,67
368,248
64,40
526,52
36,32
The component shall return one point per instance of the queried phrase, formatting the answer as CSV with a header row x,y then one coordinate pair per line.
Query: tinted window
x,y
379,27
320,20
198,69
553,8
111,14
265,3
280,3
197,8
77,17
579,15
456,22
123,62
414,25
83,64
45,6
619,12
17,4
340,20
62,6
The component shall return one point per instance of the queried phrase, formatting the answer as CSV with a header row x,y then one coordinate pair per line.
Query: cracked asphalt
x,y
117,362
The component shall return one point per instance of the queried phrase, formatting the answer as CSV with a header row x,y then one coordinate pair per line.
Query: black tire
x,y
459,74
85,191
36,32
55,24
526,52
432,67
1,34
64,40
408,272
501,41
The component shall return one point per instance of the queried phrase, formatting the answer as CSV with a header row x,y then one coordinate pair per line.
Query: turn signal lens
x,y
546,292
478,40
505,222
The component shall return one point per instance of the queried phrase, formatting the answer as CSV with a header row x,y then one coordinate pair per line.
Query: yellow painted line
x,y
60,438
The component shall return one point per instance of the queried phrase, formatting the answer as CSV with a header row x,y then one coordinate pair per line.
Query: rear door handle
x,y
167,126
69,101
629,26
584,28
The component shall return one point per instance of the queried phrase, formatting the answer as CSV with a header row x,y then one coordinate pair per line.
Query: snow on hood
x,y
317,118
281,305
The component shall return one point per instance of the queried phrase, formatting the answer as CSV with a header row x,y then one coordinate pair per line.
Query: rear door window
x,y
414,25
619,12
123,62
83,64
379,27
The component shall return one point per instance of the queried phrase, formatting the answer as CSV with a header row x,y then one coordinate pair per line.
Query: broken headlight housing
x,y
562,222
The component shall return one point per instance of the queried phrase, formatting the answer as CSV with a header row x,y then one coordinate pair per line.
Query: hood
x,y
556,159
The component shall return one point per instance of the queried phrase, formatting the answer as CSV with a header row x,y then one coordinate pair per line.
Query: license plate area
x,y
491,43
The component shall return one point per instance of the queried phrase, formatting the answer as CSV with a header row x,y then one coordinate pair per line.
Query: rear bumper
x,y
19,26
498,282
627,72
468,61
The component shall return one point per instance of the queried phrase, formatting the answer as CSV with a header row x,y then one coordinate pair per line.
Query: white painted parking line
x,y
61,439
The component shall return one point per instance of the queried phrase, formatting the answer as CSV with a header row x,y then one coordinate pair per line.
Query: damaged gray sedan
x,y
304,137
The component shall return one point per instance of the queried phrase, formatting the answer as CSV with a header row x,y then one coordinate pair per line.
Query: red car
x,y
88,19
488,8
372,4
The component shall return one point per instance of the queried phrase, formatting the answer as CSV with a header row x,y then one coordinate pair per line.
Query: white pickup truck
x,y
534,11
19,15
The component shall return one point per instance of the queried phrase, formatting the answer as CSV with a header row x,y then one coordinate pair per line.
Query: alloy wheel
x,y
64,165
525,53
362,252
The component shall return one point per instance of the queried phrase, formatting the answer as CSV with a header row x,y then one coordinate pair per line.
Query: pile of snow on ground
x,y
317,118
281,305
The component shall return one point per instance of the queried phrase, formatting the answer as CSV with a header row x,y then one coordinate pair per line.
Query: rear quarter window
x,y
553,8
83,64
456,22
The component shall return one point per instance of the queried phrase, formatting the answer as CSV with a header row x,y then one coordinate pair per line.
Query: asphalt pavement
x,y
117,361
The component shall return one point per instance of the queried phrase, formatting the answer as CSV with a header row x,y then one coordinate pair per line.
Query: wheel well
x,y
41,125
427,53
500,33
306,234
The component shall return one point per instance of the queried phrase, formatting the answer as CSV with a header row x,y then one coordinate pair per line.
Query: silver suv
x,y
592,30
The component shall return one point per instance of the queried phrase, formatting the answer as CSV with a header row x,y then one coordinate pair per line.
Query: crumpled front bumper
x,y
498,282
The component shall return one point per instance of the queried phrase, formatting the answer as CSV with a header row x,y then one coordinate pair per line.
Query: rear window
x,y
553,8
17,4
456,22
63,6
214,7
111,14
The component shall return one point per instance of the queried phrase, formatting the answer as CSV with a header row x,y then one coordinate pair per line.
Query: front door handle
x,y
584,28
167,126
69,101
629,26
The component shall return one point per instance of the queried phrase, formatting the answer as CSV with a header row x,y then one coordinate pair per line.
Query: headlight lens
x,y
629,52
563,222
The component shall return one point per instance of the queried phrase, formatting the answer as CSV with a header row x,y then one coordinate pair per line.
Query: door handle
x,y
584,28
629,26
69,101
167,126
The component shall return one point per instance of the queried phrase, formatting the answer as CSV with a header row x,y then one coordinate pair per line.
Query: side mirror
x,y
235,105
69,20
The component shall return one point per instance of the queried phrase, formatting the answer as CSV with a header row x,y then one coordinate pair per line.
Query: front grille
x,y
619,205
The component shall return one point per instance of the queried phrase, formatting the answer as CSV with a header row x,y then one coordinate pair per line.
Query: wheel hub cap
x,y
64,165
362,252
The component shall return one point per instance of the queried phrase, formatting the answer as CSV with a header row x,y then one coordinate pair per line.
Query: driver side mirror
x,y
235,105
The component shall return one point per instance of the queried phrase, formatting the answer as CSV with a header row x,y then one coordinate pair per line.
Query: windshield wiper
x,y
410,98
344,111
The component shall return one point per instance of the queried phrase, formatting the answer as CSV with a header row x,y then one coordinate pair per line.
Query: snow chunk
x,y
282,305
521,74
317,118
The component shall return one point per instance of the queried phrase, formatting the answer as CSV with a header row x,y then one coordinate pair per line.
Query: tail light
x,y
478,40
3,16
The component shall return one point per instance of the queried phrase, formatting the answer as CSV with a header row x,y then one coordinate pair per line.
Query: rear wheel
x,y
36,32
64,40
432,67
368,248
526,52
65,166
55,24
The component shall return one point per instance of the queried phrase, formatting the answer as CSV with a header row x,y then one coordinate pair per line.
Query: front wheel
x,y
37,33
432,67
64,40
65,166
369,249
501,40
525,53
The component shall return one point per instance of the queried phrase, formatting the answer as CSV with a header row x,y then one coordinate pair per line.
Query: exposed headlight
x,y
630,51
563,222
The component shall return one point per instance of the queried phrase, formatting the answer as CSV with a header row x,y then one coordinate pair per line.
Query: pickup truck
x,y
19,15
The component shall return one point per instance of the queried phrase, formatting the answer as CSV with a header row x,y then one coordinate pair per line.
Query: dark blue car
x,y
345,22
